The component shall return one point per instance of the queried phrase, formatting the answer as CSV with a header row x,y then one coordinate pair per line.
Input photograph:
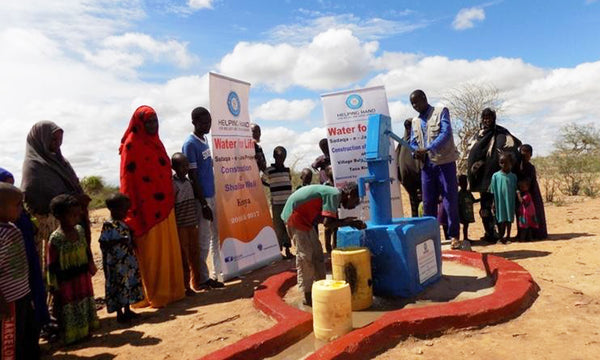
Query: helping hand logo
x,y
354,101
233,103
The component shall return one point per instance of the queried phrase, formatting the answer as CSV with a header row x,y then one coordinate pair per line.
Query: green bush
x,y
97,189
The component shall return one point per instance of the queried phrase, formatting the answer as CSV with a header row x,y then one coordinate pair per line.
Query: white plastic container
x,y
332,309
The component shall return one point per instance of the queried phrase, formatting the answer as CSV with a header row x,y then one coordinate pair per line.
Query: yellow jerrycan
x,y
332,309
353,265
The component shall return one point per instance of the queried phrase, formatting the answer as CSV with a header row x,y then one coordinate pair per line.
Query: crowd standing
x,y
163,223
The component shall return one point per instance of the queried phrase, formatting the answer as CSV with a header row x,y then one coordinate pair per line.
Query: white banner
x,y
346,116
246,230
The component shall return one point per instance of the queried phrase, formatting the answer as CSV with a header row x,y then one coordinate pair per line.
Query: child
x,y
322,162
201,174
527,215
187,223
36,281
504,187
304,208
527,171
70,271
20,332
280,183
465,206
306,177
121,270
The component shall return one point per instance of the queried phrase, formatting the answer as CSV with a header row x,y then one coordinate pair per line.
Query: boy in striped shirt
x,y
186,216
20,333
278,178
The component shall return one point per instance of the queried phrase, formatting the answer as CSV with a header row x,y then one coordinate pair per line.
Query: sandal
x,y
455,244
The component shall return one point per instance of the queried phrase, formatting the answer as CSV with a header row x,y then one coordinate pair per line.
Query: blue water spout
x,y
378,156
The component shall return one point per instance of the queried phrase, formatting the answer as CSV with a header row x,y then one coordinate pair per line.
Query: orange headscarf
x,y
145,174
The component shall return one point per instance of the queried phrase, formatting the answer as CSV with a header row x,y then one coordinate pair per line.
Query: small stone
x,y
419,351
429,343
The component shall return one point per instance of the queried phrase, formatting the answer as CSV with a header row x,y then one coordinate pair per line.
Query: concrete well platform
x,y
476,290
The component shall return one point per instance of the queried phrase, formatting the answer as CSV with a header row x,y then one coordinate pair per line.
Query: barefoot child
x,y
20,332
187,223
504,188
465,205
278,178
121,270
527,218
70,271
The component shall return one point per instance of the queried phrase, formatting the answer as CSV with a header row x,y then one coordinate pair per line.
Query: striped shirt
x,y
185,203
280,183
14,270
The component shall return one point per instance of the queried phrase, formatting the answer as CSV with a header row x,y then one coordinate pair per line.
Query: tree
x,y
465,104
92,184
579,139
577,158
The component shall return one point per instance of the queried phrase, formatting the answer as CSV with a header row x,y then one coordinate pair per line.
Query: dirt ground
x,y
563,322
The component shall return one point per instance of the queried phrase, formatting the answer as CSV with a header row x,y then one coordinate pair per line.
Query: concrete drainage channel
x,y
503,291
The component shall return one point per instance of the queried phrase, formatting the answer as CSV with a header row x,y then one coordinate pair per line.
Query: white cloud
x,y
125,53
302,146
65,61
42,78
284,110
537,102
333,59
366,29
261,63
436,74
200,4
74,23
466,18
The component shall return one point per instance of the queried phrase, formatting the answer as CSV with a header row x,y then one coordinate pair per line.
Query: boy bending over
x,y
306,207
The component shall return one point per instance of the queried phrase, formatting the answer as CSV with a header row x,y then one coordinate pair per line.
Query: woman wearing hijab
x,y
484,160
47,174
146,179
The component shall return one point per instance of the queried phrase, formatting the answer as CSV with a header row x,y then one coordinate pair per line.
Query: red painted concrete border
x,y
515,290
292,324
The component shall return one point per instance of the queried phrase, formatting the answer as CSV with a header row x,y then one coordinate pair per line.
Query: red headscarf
x,y
145,174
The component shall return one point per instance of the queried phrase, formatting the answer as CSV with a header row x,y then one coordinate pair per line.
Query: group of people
x,y
163,221
154,246
498,167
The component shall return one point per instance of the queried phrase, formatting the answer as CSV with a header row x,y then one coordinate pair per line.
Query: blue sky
x,y
87,64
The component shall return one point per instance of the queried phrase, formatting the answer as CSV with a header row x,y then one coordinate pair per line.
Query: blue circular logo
x,y
354,101
233,103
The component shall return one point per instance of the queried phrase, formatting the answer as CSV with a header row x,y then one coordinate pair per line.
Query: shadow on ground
x,y
80,357
520,254
111,332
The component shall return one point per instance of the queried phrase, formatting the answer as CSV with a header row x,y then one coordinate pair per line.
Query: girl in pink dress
x,y
526,212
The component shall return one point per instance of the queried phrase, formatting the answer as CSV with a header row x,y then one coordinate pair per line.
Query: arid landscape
x,y
562,323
